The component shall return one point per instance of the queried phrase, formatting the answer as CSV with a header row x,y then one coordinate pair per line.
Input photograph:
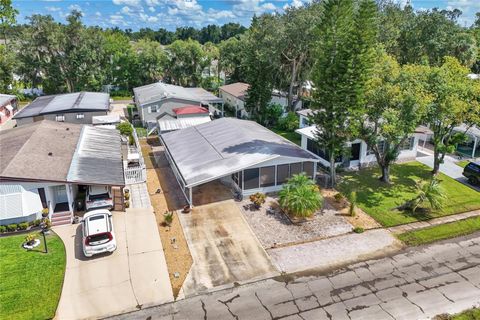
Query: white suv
x,y
98,197
98,235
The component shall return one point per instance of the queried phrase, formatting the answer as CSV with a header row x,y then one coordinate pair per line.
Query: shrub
x,y
23,226
127,204
37,222
258,199
358,230
289,122
168,218
353,203
300,196
131,139
47,224
12,227
3,229
338,197
125,128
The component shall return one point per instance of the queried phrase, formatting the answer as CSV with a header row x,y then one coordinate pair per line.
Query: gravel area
x,y
274,229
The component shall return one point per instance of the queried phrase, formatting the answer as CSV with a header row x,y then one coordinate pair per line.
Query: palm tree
x,y
430,192
300,196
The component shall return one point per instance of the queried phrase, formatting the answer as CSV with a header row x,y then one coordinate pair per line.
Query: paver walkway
x,y
139,197
416,284
434,222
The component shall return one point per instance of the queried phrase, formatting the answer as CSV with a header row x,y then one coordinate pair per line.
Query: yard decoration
x,y
45,212
30,242
258,199
300,197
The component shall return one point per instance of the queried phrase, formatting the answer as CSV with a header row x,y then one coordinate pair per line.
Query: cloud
x,y
53,9
126,10
151,9
152,3
293,4
75,7
117,19
249,7
131,3
468,8
98,14
146,18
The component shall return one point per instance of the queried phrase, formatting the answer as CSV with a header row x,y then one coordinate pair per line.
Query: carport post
x,y
190,196
474,146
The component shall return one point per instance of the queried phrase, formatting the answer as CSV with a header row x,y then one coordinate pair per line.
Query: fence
x,y
136,173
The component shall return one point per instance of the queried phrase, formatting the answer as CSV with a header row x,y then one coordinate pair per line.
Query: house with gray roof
x,y
47,164
157,99
240,153
78,107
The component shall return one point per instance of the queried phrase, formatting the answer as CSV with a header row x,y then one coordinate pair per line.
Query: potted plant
x,y
258,199
127,204
30,239
45,212
127,196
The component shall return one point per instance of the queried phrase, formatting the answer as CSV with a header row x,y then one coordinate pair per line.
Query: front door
x,y
355,152
61,194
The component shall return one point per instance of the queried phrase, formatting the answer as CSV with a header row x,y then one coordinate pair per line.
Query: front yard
x,y
31,280
380,200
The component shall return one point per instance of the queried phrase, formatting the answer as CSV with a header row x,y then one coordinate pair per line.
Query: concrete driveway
x,y
223,248
134,276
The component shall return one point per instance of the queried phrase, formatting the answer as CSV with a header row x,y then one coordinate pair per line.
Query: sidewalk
x,y
434,222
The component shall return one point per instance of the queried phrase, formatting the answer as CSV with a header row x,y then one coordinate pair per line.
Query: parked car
x,y
98,197
97,230
472,172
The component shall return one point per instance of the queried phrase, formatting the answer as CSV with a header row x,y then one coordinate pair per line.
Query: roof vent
x,y
67,129
50,154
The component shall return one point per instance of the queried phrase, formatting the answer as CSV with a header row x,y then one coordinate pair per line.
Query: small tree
x,y
353,203
125,128
300,196
428,191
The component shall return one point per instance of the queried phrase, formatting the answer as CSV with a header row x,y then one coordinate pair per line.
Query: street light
x,y
44,227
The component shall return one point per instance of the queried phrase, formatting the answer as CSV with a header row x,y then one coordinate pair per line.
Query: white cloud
x,y
131,3
75,7
468,8
98,14
117,19
249,7
53,9
152,3
269,6
126,10
146,18
293,4
151,9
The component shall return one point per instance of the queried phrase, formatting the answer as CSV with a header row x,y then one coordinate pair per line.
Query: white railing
x,y
137,173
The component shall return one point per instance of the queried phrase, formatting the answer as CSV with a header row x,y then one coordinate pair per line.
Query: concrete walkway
x,y
434,222
333,252
139,197
133,276
416,284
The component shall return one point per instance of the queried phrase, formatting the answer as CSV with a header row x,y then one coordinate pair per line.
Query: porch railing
x,y
137,173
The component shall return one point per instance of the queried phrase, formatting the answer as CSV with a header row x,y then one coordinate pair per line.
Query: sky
x,y
170,14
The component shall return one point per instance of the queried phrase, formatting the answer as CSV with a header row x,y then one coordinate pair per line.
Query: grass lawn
x,y
472,314
31,280
440,232
289,135
121,98
463,163
380,200
141,131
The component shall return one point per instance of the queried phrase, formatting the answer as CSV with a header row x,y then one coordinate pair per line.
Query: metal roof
x,y
98,158
473,130
170,124
6,98
108,119
65,103
160,91
209,151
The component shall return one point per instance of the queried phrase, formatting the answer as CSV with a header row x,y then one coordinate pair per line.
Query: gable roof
x,y
208,151
161,91
237,89
65,103
56,151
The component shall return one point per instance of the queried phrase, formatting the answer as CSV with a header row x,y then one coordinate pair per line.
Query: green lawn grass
x,y
463,163
31,281
440,232
380,200
289,135
121,98
472,314
141,131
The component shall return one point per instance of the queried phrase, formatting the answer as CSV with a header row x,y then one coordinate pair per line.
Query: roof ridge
x,y
78,100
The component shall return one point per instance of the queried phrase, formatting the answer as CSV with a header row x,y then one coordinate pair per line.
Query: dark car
x,y
472,172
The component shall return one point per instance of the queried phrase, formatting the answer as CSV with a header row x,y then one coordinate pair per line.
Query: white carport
x,y
243,154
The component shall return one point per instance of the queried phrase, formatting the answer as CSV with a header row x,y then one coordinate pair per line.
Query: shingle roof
x,y
220,147
237,89
6,98
69,102
158,91
61,152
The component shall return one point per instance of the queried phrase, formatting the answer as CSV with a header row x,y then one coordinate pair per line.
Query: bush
x,y
23,226
47,223
300,196
289,122
12,227
358,230
338,197
3,229
131,139
258,199
125,128
37,222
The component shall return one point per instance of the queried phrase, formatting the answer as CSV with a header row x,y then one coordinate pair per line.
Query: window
x,y
283,173
237,178
267,176
80,116
155,108
60,118
407,144
251,178
295,168
308,168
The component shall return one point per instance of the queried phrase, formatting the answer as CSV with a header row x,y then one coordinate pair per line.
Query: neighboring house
x,y
185,117
471,147
8,106
46,165
240,153
235,94
156,99
360,154
78,107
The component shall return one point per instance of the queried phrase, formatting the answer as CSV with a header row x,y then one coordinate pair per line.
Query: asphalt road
x,y
418,283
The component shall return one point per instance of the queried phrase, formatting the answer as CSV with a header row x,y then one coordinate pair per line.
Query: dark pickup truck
x,y
472,172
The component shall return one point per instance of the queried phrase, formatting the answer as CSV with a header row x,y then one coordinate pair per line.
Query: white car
x,y
99,197
98,235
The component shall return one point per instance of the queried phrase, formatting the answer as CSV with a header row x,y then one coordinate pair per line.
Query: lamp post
x,y
43,225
